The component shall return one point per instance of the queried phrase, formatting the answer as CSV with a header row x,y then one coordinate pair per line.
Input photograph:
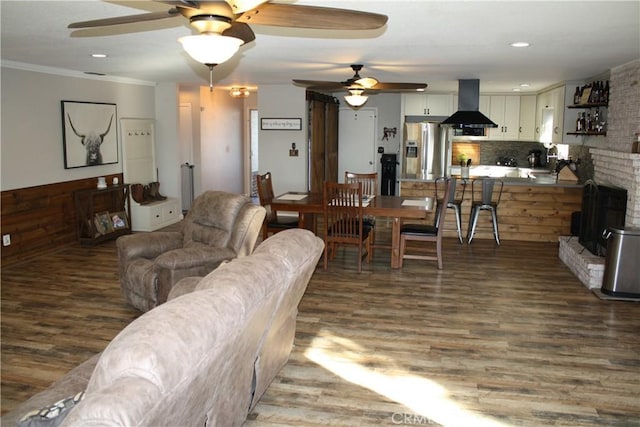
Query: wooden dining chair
x,y
369,183
425,233
272,222
343,221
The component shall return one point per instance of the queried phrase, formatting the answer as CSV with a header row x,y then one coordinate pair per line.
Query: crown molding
x,y
72,73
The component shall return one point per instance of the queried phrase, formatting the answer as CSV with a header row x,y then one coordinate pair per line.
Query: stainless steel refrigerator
x,y
425,150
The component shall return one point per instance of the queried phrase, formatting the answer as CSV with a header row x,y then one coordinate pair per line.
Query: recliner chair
x,y
219,226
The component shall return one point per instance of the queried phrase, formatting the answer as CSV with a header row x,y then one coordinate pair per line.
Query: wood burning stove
x,y
602,207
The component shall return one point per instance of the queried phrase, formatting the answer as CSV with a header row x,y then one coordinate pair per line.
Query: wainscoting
x,y
41,219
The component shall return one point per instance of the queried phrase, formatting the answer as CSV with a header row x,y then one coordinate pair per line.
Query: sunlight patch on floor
x,y
421,396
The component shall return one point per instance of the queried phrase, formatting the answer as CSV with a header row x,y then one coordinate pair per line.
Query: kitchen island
x,y
530,209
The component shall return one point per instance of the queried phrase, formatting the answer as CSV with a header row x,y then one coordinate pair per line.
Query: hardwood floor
x,y
503,336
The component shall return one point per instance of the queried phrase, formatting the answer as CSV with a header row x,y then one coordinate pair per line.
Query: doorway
x,y
357,141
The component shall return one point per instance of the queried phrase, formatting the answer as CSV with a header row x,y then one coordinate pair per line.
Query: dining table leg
x,y
308,221
395,243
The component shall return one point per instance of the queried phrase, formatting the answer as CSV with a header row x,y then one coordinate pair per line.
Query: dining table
x,y
398,208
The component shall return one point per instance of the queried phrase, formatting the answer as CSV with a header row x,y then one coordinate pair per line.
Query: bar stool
x,y
486,203
453,203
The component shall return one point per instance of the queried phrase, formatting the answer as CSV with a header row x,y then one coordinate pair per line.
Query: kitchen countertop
x,y
507,181
486,171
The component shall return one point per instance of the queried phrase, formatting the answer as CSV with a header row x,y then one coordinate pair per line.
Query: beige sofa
x,y
206,356
219,226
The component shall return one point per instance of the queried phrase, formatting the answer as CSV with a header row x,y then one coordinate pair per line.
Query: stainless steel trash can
x,y
622,263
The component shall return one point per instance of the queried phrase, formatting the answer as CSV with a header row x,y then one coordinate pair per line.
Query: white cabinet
x,y
420,104
484,105
155,215
527,118
550,115
505,112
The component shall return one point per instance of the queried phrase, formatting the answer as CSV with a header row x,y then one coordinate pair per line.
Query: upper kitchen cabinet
x,y
422,104
550,115
484,104
527,131
504,110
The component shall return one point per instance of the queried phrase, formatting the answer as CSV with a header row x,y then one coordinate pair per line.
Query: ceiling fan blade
x,y
322,18
151,16
317,84
399,87
240,31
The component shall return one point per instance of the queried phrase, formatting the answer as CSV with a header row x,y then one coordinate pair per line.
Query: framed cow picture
x,y
89,134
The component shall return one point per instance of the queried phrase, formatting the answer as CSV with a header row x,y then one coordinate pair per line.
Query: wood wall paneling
x,y
41,219
528,213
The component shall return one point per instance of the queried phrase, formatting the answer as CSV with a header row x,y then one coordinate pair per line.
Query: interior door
x,y
357,141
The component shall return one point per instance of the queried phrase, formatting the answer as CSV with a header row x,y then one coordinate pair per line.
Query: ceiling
x,y
433,42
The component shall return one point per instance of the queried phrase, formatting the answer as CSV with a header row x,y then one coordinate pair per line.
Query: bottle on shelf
x,y
577,95
605,97
579,123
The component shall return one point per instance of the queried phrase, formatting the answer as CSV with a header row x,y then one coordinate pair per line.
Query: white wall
x,y
167,142
31,144
221,148
289,173
191,95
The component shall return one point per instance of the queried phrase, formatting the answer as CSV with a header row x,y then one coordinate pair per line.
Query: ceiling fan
x,y
230,17
224,24
357,86
362,83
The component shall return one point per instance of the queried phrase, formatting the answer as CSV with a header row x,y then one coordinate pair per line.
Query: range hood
x,y
468,114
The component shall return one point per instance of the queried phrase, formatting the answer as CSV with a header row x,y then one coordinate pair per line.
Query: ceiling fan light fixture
x,y
210,48
356,98
239,92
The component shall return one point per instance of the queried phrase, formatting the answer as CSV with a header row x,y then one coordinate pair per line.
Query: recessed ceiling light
x,y
98,55
420,89
524,84
520,44
516,89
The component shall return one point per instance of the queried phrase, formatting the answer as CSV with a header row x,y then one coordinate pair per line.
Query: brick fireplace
x,y
614,165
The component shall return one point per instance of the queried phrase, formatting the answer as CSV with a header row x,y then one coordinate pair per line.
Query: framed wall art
x,y
89,134
281,124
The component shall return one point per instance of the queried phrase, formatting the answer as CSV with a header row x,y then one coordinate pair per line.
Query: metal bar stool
x,y
452,203
486,203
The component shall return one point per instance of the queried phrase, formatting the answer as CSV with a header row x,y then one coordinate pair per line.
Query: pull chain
x,y
210,76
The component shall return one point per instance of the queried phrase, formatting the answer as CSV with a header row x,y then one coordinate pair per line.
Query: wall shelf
x,y
593,133
592,105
